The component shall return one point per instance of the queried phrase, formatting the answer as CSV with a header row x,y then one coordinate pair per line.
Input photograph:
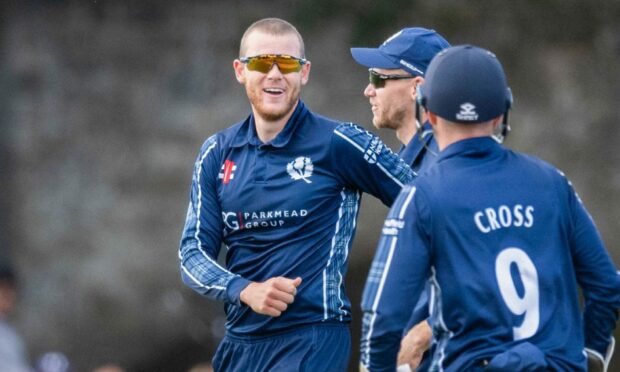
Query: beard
x,y
272,111
390,120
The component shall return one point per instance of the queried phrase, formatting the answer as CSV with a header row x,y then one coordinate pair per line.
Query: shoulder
x,y
341,133
222,139
357,136
539,166
351,129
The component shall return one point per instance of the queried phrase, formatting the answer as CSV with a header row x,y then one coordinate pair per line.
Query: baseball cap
x,y
465,84
410,49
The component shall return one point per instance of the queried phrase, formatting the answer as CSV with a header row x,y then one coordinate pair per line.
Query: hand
x,y
414,344
272,296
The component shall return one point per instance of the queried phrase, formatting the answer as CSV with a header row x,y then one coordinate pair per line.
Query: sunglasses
x,y
264,62
378,80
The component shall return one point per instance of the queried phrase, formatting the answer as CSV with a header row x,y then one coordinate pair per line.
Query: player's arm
x,y
396,279
202,233
598,278
364,162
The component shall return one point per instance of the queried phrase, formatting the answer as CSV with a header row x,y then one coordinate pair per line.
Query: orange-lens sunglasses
x,y
264,62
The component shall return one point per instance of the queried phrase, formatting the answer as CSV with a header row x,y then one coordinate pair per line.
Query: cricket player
x,y
395,69
281,191
504,237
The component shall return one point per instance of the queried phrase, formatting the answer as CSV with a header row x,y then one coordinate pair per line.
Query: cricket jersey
x,y
506,242
421,151
284,208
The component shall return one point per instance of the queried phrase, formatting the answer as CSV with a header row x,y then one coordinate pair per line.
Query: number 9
x,y
529,303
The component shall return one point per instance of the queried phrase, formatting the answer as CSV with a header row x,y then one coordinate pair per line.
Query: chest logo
x,y
300,169
227,172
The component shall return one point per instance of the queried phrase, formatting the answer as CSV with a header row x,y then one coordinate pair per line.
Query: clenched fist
x,y
272,296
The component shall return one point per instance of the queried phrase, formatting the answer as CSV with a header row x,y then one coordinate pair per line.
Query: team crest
x,y
300,169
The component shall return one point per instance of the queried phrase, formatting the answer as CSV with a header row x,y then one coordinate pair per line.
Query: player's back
x,y
501,251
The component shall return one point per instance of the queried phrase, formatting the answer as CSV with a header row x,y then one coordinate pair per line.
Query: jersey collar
x,y
247,131
470,147
416,146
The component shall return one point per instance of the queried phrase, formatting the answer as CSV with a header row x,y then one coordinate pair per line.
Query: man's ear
x,y
497,121
305,73
415,83
239,68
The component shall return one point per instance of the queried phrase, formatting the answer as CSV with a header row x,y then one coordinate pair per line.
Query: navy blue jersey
x,y
421,151
285,208
506,243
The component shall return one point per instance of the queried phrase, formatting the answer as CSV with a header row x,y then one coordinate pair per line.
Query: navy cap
x,y
410,49
466,84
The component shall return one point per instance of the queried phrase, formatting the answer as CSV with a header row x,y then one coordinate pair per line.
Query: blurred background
x,y
104,105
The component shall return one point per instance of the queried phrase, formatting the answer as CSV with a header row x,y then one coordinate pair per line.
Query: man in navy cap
x,y
396,68
503,236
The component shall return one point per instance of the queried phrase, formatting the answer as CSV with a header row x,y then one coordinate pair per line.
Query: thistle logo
x,y
468,112
300,169
228,171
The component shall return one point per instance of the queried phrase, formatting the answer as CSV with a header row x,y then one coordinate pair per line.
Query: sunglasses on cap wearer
x,y
264,62
378,80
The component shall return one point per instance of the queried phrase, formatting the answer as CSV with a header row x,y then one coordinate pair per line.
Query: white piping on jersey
x,y
199,283
403,209
196,234
346,249
396,180
386,270
331,254
375,303
329,260
440,354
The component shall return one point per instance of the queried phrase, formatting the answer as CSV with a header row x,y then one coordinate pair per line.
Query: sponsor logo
x,y
467,113
250,220
407,64
391,226
373,150
227,171
300,169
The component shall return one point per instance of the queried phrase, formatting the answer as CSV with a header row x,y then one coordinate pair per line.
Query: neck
x,y
405,133
449,133
267,129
